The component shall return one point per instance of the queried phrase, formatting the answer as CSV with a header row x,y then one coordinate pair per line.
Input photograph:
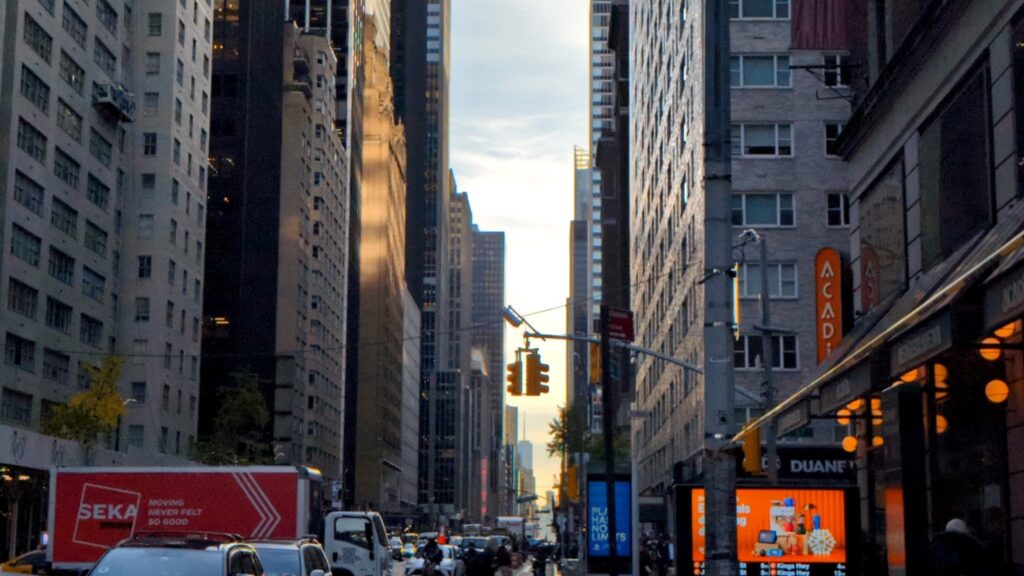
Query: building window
x,y
145,267
20,353
66,168
104,58
69,121
28,193
837,72
838,210
171,272
16,406
31,141
139,392
37,39
748,353
25,245
749,71
173,232
64,218
782,280
142,309
762,140
71,73
95,239
136,435
152,63
62,266
93,284
179,73
177,152
149,143
167,355
165,400
763,210
22,298
956,172
107,16
75,26
56,366
778,9
35,90
49,5
97,192
90,331
145,226
58,315
149,182
156,24
832,131
100,148
163,439
169,316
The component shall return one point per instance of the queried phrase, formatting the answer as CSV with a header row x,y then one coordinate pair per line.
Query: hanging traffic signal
x,y
752,452
595,363
515,377
536,375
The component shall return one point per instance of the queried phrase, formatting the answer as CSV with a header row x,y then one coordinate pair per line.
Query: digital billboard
x,y
597,536
779,531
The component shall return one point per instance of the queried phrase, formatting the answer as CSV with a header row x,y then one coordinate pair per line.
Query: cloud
x,y
519,104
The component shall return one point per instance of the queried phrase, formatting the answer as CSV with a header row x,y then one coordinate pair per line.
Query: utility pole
x,y
768,356
719,393
609,394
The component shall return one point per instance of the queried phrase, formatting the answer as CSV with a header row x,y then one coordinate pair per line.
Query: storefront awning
x,y
903,326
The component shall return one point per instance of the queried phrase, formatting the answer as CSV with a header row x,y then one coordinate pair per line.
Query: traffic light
x,y
536,375
515,377
572,483
595,363
752,452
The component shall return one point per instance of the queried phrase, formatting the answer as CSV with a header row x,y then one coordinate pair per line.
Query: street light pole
x,y
768,356
719,393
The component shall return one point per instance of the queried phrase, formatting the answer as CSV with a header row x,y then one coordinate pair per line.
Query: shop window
x,y
883,250
956,172
16,406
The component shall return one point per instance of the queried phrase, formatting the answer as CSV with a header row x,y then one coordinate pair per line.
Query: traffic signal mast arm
x,y
627,345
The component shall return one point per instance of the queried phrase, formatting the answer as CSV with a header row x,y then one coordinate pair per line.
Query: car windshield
x,y
160,562
357,531
479,543
280,561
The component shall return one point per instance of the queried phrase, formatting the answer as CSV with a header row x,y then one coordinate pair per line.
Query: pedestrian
x,y
955,552
503,561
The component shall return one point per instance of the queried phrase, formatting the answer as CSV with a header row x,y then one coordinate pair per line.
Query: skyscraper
x,y
786,185
489,338
102,208
276,268
420,57
381,287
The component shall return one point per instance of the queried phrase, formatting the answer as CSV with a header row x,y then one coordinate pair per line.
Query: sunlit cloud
x,y
519,105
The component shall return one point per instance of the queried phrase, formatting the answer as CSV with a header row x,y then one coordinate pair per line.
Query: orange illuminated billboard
x,y
807,531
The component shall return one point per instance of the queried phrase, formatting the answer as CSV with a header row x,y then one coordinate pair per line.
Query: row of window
x,y
775,139
779,209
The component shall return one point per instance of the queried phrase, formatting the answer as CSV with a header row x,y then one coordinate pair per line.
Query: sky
x,y
519,104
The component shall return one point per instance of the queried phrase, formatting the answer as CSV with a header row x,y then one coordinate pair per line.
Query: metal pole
x,y
608,396
768,352
719,394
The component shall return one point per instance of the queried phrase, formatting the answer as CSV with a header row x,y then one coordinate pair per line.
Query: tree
x,y
568,431
94,411
239,435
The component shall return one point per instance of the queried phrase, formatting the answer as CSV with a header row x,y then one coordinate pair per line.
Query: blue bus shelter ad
x,y
599,531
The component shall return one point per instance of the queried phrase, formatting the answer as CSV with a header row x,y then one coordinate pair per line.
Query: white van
x,y
356,544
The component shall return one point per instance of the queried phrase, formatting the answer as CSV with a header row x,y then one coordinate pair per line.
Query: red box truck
x,y
93,509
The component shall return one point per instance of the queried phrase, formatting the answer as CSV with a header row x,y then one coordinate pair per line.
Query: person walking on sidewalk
x,y
503,561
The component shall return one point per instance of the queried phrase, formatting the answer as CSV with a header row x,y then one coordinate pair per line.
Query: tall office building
x,y
410,475
786,184
511,442
381,287
459,355
102,205
276,266
579,316
489,338
420,59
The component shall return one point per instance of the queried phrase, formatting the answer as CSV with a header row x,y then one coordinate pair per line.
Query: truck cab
x,y
357,544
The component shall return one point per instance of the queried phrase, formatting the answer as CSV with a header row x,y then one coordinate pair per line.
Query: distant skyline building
x,y
489,337
410,405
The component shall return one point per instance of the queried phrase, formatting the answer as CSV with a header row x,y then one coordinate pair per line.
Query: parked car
x,y
451,564
478,542
181,555
33,562
303,557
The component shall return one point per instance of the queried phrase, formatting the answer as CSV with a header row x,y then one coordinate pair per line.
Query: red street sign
x,y
620,324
